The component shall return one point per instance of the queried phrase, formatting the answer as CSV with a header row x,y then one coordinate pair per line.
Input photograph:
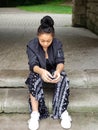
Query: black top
x,y
36,54
49,67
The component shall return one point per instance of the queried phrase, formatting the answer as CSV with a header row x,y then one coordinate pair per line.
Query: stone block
x,y
90,25
83,20
92,78
80,10
96,9
88,8
80,100
79,2
96,30
79,20
16,101
78,79
83,100
92,7
13,78
3,95
91,17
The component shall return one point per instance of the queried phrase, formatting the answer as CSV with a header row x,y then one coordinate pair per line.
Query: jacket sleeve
x,y
32,58
60,54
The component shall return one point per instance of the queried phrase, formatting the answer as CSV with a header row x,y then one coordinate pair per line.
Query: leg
x,y
34,103
36,100
60,100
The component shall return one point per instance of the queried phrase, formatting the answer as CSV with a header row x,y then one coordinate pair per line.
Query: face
x,y
45,40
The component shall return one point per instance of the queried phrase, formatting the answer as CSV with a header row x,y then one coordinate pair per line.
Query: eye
x,y
42,41
48,41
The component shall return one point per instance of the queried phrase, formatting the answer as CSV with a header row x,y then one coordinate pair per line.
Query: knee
x,y
64,75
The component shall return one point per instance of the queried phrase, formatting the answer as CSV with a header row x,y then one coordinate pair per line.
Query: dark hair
x,y
46,26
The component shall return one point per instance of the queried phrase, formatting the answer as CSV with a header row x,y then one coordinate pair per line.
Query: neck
x,y
46,54
45,49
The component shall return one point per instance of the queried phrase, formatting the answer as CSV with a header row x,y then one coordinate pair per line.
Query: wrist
x,y
60,68
58,71
38,70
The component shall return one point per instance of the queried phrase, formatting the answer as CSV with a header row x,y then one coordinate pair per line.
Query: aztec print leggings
x,y
60,99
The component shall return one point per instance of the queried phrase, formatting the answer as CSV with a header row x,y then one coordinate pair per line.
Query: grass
x,y
57,8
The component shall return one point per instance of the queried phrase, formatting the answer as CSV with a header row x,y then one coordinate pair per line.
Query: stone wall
x,y
85,14
92,15
79,13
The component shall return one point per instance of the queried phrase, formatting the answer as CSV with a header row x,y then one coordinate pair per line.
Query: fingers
x,y
47,77
56,80
56,77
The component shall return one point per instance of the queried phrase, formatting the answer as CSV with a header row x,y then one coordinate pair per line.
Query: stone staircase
x,y
83,106
83,95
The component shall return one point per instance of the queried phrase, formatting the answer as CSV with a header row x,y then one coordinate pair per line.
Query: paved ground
x,y
16,29
19,122
13,17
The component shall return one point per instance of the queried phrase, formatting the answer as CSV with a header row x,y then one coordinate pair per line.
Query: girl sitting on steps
x,y
46,63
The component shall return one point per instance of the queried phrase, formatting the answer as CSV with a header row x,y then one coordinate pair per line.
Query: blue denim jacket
x,y
36,54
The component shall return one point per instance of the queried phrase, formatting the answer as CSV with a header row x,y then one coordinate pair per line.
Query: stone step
x,y
19,122
78,79
15,100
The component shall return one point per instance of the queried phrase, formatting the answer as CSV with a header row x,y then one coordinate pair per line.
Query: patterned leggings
x,y
60,99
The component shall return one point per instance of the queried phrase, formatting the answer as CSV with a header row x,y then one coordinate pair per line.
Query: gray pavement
x,y
80,47
16,29
13,17
19,122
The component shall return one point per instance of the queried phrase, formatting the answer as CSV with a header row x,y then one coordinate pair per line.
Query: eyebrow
x,y
46,40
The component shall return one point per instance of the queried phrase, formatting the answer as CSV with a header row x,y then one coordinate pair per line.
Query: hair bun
x,y
47,21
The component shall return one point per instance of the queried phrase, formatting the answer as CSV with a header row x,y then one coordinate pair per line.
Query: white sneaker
x,y
33,123
66,120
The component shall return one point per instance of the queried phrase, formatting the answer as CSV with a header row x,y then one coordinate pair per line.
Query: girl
x,y
46,63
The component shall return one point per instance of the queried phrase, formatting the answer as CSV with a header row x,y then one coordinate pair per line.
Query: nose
x,y
45,43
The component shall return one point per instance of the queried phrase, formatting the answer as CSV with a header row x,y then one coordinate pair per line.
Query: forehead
x,y
45,36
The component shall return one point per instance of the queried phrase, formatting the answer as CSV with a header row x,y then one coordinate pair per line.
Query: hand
x,y
46,76
56,77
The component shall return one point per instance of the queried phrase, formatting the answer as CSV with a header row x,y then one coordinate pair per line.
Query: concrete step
x,y
81,100
78,79
19,122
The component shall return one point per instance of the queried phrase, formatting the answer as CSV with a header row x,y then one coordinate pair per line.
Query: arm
x,y
37,69
45,75
32,58
60,67
34,66
60,64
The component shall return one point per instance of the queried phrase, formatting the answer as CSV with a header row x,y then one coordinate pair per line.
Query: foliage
x,y
48,8
27,2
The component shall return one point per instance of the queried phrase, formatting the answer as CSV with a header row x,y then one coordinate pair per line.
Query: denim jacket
x,y
36,54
